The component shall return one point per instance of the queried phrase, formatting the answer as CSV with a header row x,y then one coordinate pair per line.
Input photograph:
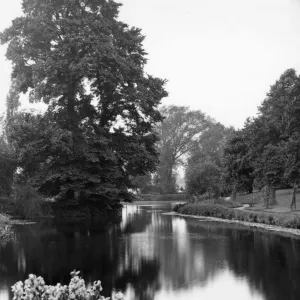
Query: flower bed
x,y
34,288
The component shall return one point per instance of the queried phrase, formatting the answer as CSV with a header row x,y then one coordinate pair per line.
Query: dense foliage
x,y
97,134
204,169
264,155
7,167
267,148
237,169
178,132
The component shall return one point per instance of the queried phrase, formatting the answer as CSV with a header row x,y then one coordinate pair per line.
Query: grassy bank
x,y
218,211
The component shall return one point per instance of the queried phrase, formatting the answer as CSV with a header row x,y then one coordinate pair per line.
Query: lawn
x,y
283,197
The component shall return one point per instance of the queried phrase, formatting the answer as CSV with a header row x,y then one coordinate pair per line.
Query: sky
x,y
218,56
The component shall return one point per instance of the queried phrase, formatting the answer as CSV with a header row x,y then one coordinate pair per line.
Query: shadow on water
x,y
149,255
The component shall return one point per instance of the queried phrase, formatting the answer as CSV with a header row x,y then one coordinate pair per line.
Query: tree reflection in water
x,y
149,255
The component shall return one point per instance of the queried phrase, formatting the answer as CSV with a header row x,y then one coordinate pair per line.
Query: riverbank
x,y
276,229
286,222
160,198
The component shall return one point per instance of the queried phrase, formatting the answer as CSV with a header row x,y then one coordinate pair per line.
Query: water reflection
x,y
4,293
152,256
223,286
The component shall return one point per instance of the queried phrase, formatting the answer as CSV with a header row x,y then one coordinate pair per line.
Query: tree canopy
x,y
204,168
178,133
268,146
88,66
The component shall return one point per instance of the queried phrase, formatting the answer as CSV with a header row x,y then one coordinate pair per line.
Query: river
x,y
150,255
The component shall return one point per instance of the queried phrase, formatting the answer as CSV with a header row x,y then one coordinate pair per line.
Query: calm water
x,y
150,255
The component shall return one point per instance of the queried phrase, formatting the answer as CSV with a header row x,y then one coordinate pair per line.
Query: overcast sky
x,y
218,56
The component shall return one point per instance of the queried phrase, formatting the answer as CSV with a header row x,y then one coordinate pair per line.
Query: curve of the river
x,y
153,256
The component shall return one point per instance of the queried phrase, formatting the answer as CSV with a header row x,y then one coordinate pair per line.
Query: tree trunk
x,y
233,195
272,197
168,184
266,195
293,204
71,106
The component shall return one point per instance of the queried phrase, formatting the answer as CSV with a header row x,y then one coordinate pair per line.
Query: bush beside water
x,y
29,204
6,234
219,211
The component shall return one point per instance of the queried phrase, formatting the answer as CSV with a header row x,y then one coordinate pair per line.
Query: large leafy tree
x,y
204,168
8,161
178,133
280,112
271,140
8,166
12,99
77,57
203,179
237,169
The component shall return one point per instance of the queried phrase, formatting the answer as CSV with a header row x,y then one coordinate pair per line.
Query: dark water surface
x,y
150,255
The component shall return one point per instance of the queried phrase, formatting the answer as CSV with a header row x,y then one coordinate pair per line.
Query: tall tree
x,y
237,169
203,179
77,57
273,137
177,133
291,150
13,99
8,166
142,183
281,111
204,168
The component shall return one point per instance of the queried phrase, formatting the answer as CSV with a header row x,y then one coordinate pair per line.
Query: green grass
x,y
283,198
253,198
218,211
222,202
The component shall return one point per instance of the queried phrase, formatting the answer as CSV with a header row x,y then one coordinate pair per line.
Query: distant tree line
x,y
192,140
267,150
264,155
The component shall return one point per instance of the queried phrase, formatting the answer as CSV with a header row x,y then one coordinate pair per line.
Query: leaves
x,y
178,133
268,146
77,57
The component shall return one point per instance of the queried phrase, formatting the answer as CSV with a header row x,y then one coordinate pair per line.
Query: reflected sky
x,y
152,256
4,293
187,271
224,285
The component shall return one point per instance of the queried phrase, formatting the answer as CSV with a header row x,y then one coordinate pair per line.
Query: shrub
x,y
202,199
28,203
34,288
6,234
177,206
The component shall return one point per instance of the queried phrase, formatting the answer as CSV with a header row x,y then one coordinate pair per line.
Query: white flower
x,y
119,296
35,288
